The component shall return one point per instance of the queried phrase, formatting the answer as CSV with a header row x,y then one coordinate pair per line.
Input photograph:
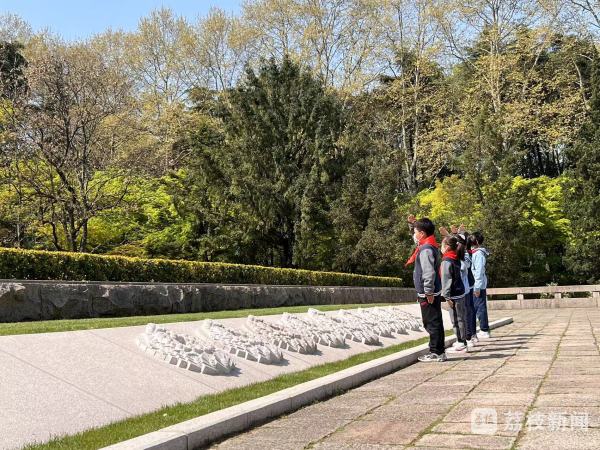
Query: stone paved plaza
x,y
539,376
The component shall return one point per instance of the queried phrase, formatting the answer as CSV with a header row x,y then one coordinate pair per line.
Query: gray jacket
x,y
453,287
426,275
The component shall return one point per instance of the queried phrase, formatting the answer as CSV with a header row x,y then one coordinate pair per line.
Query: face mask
x,y
415,238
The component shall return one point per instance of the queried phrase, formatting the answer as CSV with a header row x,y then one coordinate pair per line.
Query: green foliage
x,y
583,200
264,194
526,231
42,265
12,66
519,108
282,166
523,221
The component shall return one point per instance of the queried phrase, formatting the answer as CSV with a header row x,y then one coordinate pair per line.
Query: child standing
x,y
426,258
453,288
468,280
479,260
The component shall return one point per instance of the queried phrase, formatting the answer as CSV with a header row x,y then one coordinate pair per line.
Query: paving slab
x,y
467,428
445,440
389,432
561,440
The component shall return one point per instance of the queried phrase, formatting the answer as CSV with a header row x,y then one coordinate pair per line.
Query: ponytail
x,y
456,243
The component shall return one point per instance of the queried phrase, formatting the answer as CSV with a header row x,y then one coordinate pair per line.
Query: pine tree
x,y
282,162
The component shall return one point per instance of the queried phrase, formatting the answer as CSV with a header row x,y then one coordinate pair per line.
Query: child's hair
x,y
478,238
457,244
425,225
466,240
472,242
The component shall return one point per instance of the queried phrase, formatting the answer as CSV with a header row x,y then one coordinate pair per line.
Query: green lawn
x,y
50,326
146,423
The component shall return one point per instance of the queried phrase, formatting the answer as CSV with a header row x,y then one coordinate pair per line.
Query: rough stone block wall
x,y
47,300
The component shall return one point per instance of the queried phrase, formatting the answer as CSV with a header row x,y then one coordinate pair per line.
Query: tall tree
x,y
339,39
583,201
283,163
67,119
13,89
223,48
160,58
14,29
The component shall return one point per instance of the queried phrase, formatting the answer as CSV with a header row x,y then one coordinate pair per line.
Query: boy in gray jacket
x,y
426,277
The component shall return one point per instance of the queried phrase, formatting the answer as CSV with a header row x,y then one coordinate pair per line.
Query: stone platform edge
x,y
201,431
543,303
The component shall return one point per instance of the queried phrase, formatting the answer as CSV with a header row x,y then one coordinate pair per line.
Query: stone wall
x,y
46,300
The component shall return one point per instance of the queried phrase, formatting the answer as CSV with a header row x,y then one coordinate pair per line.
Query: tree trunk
x,y
84,236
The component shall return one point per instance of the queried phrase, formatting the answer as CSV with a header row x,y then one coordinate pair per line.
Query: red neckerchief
x,y
428,240
451,254
473,251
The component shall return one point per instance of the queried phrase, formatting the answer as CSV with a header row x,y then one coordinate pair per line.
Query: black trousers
x,y
434,324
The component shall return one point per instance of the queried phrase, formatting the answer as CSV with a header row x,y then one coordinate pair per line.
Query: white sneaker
x,y
456,344
470,343
461,348
474,339
432,357
483,335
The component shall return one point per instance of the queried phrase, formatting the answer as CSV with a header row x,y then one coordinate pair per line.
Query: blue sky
x,y
74,19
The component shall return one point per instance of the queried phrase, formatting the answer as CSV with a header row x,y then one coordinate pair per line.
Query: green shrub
x,y
44,265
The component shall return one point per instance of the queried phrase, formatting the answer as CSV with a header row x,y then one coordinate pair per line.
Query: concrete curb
x,y
203,430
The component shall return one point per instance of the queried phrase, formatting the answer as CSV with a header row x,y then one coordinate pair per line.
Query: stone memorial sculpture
x,y
263,341
321,335
184,351
242,344
383,318
411,322
369,321
282,337
356,331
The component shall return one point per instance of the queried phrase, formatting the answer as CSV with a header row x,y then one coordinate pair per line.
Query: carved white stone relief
x,y
184,351
370,321
262,340
242,344
326,336
282,337
381,321
353,330
411,322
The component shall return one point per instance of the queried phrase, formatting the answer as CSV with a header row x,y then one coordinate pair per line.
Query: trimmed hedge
x,y
45,265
